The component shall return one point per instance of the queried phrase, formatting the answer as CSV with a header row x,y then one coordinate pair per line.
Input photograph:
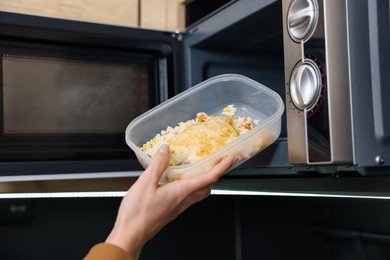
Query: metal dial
x,y
305,85
302,18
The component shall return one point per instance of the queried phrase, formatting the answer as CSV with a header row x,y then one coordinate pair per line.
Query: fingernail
x,y
164,149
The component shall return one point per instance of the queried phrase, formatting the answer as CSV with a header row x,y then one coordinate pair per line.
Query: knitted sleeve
x,y
105,251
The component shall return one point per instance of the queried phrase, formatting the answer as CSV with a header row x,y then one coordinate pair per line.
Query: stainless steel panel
x,y
338,82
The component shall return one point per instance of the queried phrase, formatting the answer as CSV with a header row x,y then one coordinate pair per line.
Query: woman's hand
x,y
149,205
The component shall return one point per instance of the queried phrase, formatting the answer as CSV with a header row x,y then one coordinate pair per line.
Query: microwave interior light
x,y
103,194
293,194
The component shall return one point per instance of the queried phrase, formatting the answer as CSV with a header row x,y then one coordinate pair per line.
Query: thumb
x,y
159,164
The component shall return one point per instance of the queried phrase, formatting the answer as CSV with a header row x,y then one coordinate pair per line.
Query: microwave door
x,y
69,89
242,37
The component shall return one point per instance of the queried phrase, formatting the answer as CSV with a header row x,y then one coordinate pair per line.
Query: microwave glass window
x,y
44,95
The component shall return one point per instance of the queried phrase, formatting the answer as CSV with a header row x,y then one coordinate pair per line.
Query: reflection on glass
x,y
45,95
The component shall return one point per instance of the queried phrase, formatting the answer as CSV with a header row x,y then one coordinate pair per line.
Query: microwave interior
x,y
251,44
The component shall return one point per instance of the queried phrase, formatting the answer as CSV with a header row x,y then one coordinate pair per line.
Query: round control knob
x,y
305,85
302,18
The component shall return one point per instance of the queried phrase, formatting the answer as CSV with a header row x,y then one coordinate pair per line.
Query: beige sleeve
x,y
104,251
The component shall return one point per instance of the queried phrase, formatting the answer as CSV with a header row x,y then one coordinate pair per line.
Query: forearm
x,y
129,241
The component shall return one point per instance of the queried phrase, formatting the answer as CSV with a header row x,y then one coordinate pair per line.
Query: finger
x,y
158,165
210,177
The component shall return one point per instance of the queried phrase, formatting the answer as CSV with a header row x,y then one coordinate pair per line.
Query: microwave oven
x,y
70,88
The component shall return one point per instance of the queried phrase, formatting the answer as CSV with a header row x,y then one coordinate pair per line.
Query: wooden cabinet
x,y
166,15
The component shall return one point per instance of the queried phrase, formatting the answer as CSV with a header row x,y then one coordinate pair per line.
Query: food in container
x,y
230,92
196,138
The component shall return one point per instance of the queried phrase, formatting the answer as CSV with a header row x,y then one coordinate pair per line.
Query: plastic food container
x,y
251,99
